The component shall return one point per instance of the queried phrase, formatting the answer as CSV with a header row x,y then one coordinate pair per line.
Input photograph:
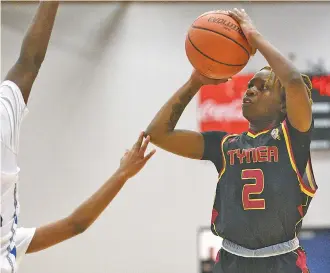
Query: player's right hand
x,y
198,78
246,24
135,159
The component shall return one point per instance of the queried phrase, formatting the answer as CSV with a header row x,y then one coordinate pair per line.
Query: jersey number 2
x,y
255,188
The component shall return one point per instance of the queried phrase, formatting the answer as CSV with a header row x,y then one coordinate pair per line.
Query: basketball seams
x,y
206,58
219,12
212,59
211,12
231,39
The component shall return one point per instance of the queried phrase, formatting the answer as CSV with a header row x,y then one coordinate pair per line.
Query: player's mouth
x,y
246,101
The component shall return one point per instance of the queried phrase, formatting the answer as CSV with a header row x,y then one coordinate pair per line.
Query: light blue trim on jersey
x,y
12,251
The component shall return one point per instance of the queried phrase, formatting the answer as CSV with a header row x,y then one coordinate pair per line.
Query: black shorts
x,y
292,262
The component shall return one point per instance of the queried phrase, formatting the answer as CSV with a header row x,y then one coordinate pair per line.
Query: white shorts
x,y
23,238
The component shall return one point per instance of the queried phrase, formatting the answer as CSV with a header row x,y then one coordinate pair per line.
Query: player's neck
x,y
262,125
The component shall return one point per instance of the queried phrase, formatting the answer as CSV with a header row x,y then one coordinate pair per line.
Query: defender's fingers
x,y
138,143
145,145
148,156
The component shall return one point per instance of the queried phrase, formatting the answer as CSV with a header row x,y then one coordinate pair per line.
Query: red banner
x,y
322,84
220,106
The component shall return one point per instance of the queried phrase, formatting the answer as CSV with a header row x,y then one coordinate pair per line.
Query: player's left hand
x,y
202,80
246,24
135,159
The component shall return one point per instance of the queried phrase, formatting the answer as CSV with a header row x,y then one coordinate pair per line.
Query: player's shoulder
x,y
233,137
5,85
213,136
11,93
289,130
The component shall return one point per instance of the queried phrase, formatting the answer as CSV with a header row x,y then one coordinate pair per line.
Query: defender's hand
x,y
134,159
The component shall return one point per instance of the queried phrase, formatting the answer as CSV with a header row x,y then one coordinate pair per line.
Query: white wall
x,y
91,100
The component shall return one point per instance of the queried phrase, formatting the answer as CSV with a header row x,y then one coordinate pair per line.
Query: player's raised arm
x,y
131,163
162,130
298,106
34,47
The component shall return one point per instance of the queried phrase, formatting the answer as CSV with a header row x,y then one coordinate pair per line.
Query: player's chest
x,y
244,150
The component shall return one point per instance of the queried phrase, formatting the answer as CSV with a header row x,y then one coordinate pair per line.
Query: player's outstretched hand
x,y
246,24
135,159
202,80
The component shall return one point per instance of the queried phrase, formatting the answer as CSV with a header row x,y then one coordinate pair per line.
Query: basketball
x,y
216,46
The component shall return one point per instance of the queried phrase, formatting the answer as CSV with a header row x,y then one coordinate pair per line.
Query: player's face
x,y
262,100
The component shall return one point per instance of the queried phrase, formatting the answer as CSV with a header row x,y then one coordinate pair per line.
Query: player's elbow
x,y
153,134
157,135
78,226
79,229
151,131
158,140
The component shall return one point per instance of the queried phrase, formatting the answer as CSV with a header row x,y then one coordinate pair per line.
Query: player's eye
x,y
261,86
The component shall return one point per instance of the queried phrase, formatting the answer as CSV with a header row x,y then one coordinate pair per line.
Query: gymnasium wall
x,y
102,82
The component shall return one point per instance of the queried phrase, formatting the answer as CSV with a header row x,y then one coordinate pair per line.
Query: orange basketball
x,y
216,46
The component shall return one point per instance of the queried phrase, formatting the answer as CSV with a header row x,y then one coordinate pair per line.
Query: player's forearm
x,y
295,89
56,232
91,209
36,40
283,68
168,116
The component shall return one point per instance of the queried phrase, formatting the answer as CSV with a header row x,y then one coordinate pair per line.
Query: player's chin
x,y
248,112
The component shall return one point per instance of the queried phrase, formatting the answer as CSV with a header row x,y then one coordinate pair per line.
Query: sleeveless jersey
x,y
263,191
14,240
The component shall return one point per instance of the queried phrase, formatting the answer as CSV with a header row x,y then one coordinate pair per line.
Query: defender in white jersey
x,y
14,94
14,241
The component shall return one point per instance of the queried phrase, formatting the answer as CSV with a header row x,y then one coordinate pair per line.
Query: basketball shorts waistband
x,y
269,251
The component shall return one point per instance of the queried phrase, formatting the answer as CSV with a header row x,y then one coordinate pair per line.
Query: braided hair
x,y
271,83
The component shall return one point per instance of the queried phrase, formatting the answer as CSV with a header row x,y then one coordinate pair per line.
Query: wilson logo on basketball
x,y
216,46
226,23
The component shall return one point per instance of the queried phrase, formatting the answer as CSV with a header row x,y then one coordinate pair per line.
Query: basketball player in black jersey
x,y
266,181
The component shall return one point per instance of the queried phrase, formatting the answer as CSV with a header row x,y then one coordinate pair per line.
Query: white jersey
x,y
13,110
